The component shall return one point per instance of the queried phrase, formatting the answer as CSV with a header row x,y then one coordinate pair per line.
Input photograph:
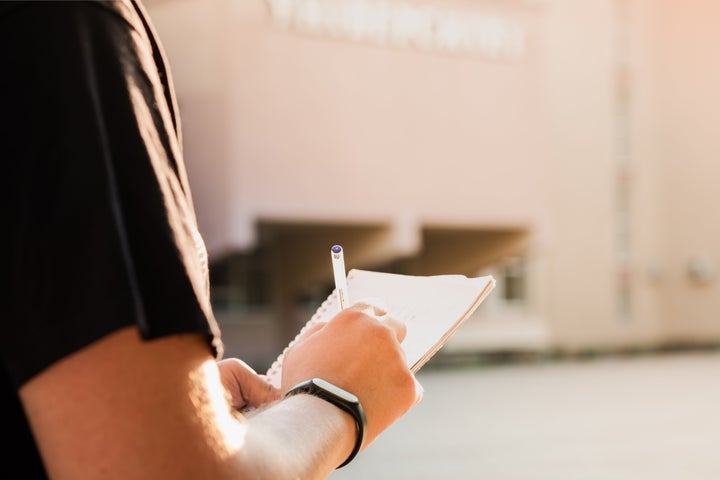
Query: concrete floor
x,y
642,418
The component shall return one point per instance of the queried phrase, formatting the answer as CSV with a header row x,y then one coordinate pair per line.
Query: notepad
x,y
432,307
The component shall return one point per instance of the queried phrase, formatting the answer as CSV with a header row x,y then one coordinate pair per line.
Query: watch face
x,y
347,396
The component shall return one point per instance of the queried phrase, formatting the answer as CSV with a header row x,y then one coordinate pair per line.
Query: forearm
x,y
126,408
165,415
300,437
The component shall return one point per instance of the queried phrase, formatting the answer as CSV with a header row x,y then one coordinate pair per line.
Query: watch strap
x,y
342,399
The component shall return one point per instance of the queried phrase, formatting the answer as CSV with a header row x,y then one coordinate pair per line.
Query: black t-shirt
x,y
99,229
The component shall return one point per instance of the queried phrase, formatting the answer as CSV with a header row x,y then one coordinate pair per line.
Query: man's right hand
x,y
359,351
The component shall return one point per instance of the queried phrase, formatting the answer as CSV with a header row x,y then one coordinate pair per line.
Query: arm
x,y
123,408
110,405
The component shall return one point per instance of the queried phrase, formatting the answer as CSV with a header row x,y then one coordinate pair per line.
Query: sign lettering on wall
x,y
391,23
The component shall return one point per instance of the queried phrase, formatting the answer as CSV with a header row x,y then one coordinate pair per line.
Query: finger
x,y
371,306
257,391
375,307
245,386
397,326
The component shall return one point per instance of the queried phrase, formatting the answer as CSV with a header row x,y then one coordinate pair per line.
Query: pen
x,y
338,263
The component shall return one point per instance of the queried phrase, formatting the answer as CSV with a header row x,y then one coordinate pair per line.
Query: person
x,y
112,362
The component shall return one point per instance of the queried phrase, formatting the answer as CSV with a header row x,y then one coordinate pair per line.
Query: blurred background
x,y
567,147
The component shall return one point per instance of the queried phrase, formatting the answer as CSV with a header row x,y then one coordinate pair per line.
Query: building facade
x,y
565,147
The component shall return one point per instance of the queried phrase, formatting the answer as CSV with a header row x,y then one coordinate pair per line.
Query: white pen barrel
x,y
338,263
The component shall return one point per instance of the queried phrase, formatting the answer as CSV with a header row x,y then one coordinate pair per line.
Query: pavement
x,y
648,417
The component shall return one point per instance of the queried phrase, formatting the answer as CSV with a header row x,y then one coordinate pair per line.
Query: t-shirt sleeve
x,y
102,230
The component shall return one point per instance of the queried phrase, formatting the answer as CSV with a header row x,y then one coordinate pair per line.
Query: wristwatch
x,y
340,398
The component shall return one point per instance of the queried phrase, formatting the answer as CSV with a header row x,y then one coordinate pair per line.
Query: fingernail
x,y
419,391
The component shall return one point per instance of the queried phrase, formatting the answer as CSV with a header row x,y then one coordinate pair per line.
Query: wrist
x,y
341,399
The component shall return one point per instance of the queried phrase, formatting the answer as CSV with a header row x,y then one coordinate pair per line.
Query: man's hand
x,y
245,386
358,350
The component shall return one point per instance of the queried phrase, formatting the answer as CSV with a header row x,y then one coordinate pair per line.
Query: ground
x,y
649,417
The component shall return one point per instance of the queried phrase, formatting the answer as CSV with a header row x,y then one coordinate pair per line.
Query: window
x,y
513,280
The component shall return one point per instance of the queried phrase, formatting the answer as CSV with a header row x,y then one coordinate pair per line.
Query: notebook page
x,y
432,307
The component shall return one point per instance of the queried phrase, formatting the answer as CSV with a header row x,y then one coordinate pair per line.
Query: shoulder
x,y
35,22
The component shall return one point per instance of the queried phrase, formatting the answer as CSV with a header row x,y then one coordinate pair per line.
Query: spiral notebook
x,y
432,307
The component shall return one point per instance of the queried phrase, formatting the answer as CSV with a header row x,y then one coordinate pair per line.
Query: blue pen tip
x,y
336,249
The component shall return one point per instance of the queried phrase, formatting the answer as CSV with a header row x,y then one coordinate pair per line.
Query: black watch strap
x,y
340,398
